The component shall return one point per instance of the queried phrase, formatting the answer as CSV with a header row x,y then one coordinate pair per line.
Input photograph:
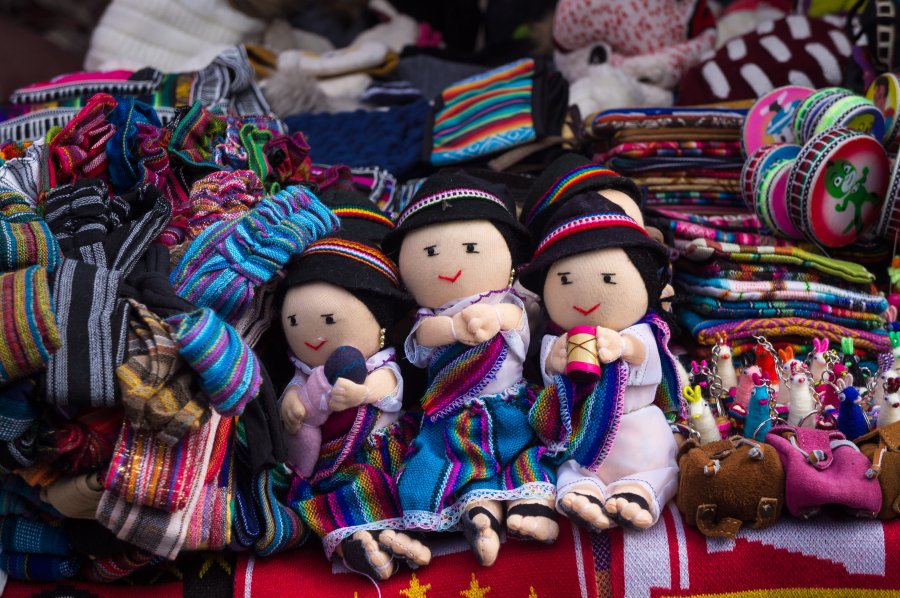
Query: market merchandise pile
x,y
286,292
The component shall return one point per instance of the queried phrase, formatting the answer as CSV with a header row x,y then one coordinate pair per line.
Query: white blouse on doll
x,y
510,373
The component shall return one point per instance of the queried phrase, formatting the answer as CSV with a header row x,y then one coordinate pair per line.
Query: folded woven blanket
x,y
736,310
704,330
782,290
703,249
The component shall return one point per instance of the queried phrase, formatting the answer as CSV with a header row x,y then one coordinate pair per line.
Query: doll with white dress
x,y
597,267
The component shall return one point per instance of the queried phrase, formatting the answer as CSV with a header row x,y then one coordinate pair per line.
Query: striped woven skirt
x,y
362,493
485,449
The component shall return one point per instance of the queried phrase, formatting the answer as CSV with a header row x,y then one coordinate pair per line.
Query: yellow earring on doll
x,y
512,277
381,334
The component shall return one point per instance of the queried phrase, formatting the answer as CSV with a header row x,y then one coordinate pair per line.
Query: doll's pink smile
x,y
450,279
315,347
583,311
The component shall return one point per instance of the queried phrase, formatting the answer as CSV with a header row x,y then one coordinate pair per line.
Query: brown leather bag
x,y
729,483
882,447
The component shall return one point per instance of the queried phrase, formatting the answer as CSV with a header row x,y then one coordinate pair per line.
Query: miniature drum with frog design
x,y
837,186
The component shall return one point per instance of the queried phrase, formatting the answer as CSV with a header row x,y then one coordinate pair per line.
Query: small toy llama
x,y
744,390
852,421
819,365
802,404
759,421
889,405
724,363
701,417
788,363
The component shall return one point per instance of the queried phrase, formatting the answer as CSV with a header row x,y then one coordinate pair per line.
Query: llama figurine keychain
x,y
889,405
700,416
723,362
803,402
716,393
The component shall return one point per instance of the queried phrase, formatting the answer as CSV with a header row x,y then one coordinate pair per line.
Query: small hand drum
x,y
582,362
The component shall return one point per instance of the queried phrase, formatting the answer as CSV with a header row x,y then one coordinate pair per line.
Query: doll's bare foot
x,y
583,504
630,506
481,525
532,520
404,546
362,553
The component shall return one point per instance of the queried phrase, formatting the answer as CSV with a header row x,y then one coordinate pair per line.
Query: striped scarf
x,y
580,421
458,372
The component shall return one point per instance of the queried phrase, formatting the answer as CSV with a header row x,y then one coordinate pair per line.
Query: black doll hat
x,y
588,222
360,218
357,267
568,176
451,196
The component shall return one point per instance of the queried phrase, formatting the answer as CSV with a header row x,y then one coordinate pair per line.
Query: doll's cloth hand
x,y
293,412
347,394
558,356
609,345
482,321
460,330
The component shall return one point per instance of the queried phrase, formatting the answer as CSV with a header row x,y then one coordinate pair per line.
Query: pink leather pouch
x,y
823,468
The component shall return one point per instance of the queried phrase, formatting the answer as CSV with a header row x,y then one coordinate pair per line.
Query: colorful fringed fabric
x,y
24,244
79,149
146,471
224,266
28,330
221,196
122,148
158,389
361,493
14,205
484,114
194,137
159,532
228,368
210,525
458,373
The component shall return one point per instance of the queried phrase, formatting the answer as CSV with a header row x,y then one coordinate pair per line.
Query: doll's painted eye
x,y
329,318
608,278
564,277
292,319
431,250
470,247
